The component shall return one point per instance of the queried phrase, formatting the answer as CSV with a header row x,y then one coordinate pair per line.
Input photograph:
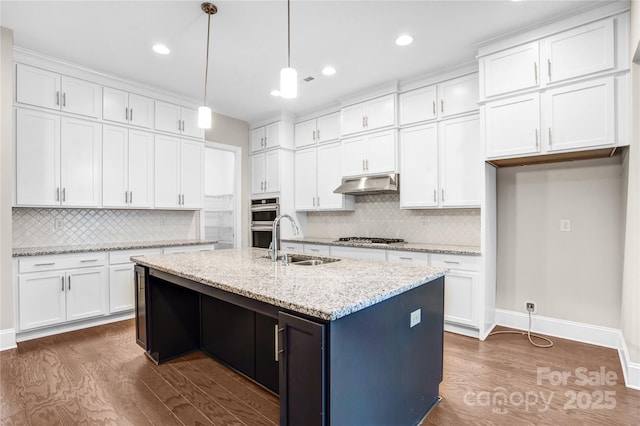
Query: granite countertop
x,y
417,247
84,248
329,291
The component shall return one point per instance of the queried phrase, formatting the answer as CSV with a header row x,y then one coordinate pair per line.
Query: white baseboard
x,y
7,339
64,328
580,332
459,329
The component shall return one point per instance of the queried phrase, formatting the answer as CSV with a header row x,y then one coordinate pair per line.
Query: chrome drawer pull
x,y
452,262
45,264
88,260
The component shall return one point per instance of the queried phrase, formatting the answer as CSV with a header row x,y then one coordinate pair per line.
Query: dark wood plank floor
x,y
100,376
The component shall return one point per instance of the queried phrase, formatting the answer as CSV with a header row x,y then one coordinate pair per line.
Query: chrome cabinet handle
x,y
276,342
549,69
130,114
363,164
442,106
62,280
549,137
535,71
64,99
58,98
126,113
318,201
434,107
64,194
126,198
183,199
130,197
45,264
314,250
318,134
265,141
366,120
451,262
367,162
442,194
405,258
178,199
179,125
58,193
536,138
314,201
69,281
313,135
434,195
88,260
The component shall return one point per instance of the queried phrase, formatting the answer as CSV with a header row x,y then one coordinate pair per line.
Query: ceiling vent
x,y
308,79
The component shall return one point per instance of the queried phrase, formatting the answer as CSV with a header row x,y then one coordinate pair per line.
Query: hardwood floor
x,y
100,376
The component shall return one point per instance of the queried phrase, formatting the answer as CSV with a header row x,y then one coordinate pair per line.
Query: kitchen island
x,y
346,342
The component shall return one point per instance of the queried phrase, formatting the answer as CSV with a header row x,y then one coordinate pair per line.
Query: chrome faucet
x,y
274,235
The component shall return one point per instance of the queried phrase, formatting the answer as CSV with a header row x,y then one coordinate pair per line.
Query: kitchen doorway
x,y
222,195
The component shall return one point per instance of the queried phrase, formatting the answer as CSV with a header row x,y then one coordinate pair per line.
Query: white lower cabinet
x,y
460,288
409,257
317,250
57,296
122,279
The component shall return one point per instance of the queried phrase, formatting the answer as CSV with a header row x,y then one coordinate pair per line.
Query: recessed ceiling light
x,y
404,40
275,92
328,70
161,49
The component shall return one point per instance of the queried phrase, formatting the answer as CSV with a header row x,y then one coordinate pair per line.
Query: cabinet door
x,y
80,152
353,156
302,371
580,115
257,139
381,152
35,86
352,119
37,158
41,299
140,111
581,51
511,70
121,288
114,105
419,166
512,126
191,160
328,127
114,166
380,112
190,123
460,162
272,171
166,172
257,173
329,177
418,105
140,169
459,95
86,293
305,179
267,351
272,135
80,97
305,133
167,117
460,290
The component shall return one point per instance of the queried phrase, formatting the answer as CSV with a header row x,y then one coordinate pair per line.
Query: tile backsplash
x,y
39,227
381,216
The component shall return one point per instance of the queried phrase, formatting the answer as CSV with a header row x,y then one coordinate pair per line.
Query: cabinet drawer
x,y
455,261
187,249
408,257
317,249
359,253
124,256
50,263
292,247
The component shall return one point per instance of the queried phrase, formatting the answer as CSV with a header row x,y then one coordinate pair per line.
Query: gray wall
x,y
573,275
6,177
231,131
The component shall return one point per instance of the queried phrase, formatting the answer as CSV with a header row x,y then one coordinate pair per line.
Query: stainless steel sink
x,y
304,260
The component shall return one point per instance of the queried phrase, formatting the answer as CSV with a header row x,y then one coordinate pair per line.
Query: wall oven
x,y
263,212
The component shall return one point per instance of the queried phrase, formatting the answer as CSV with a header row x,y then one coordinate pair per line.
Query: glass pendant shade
x,y
288,83
204,117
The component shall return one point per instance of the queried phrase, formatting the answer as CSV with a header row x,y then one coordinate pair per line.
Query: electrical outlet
x,y
58,224
530,307
415,318
565,225
424,222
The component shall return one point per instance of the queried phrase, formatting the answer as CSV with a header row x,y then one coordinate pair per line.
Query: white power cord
x,y
528,334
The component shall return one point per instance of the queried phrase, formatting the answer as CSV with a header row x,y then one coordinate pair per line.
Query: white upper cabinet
x,y
512,126
57,160
580,116
418,105
265,172
178,169
581,51
127,168
273,135
35,86
318,130
511,70
177,119
123,107
306,173
458,96
373,153
419,166
370,115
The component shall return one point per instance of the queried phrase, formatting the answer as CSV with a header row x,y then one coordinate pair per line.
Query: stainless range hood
x,y
378,184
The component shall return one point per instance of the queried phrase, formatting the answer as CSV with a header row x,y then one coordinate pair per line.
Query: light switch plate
x,y
565,225
416,317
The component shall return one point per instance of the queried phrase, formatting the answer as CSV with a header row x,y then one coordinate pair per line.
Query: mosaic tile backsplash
x,y
36,227
380,216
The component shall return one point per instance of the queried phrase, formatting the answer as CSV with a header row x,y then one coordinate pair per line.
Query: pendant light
x,y
204,112
288,75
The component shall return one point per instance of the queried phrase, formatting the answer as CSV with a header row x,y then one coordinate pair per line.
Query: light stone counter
x,y
329,291
86,248
417,247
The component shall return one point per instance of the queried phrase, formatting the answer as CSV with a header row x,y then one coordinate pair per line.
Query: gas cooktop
x,y
371,240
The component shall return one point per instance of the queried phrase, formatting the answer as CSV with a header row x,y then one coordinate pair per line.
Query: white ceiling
x,y
248,43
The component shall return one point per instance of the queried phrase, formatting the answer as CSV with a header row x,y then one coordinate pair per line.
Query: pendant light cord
x,y
288,34
206,69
